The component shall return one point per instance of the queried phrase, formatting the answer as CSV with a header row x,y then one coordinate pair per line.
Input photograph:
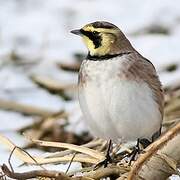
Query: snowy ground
x,y
38,30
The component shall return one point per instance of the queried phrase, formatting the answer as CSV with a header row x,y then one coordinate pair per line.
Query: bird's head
x,y
103,38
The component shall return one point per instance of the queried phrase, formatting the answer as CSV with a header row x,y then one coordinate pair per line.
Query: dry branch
x,y
25,109
43,127
160,159
41,160
69,67
81,149
52,84
93,175
91,144
114,171
34,174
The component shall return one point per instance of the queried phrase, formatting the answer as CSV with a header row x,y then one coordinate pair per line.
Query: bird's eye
x,y
94,32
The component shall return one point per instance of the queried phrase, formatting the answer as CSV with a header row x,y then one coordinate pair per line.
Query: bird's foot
x,y
133,154
145,142
108,158
104,163
137,150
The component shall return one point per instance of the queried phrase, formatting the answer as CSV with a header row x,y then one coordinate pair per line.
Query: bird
x,y
120,94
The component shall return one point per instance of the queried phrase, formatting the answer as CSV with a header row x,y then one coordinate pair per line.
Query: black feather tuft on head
x,y
103,24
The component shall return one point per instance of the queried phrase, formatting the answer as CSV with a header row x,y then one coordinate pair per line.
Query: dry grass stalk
x,y
70,67
93,175
25,109
91,144
41,160
160,159
43,126
34,174
81,149
114,171
52,84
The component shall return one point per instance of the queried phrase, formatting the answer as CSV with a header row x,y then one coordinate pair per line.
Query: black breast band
x,y
105,57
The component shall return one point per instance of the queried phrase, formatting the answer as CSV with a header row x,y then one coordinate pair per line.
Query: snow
x,y
7,117
39,31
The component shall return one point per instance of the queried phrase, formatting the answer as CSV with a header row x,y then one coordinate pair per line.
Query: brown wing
x,y
141,69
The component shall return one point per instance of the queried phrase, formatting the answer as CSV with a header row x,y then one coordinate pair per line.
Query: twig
x,y
17,151
40,120
70,163
106,172
69,67
9,159
84,150
91,144
80,171
24,108
31,158
52,84
34,174
40,160
2,176
153,163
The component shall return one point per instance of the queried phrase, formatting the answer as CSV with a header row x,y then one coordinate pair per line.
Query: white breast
x,y
115,108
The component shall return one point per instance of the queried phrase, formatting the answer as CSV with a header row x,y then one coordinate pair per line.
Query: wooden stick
x,y
25,109
69,67
93,153
34,174
91,144
52,84
106,172
160,159
41,160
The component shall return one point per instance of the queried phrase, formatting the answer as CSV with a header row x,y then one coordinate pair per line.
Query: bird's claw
x,y
104,162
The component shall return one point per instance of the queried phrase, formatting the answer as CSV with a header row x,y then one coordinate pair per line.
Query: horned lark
x,y
119,90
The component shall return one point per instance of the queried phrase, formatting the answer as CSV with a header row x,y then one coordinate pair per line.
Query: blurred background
x,y
39,60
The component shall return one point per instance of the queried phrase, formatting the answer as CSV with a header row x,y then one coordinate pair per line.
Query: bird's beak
x,y
76,31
